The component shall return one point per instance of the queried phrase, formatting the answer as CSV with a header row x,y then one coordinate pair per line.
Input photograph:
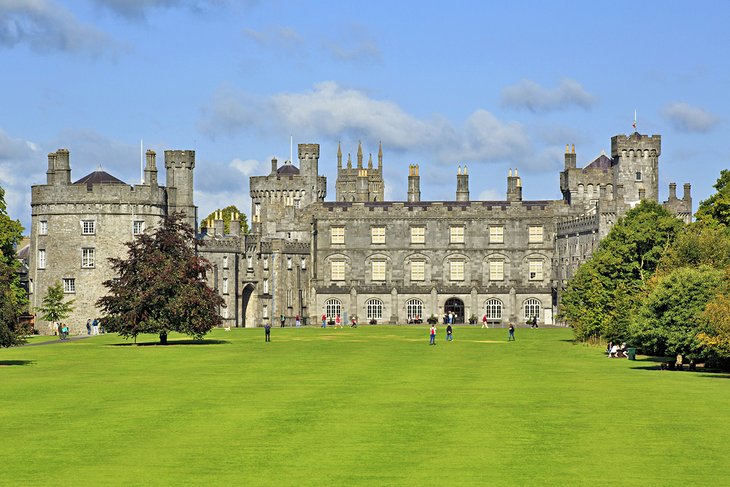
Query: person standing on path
x,y
95,327
432,335
267,330
449,334
511,336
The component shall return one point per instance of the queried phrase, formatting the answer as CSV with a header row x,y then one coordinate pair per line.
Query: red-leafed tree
x,y
160,286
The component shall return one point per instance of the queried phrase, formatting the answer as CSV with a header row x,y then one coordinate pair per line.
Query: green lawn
x,y
369,406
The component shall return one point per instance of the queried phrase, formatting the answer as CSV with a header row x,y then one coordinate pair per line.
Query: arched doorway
x,y
455,306
247,316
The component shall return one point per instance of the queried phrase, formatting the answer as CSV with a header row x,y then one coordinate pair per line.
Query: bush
x,y
373,321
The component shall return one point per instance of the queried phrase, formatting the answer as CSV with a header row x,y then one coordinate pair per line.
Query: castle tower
x,y
179,165
514,187
636,166
462,185
150,169
309,164
414,184
61,167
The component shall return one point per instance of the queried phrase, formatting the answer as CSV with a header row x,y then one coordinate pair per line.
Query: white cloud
x,y
247,167
686,118
332,112
21,165
45,26
529,95
353,44
138,9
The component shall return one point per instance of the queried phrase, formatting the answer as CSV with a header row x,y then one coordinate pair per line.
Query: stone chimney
x,y
514,187
462,185
235,224
414,184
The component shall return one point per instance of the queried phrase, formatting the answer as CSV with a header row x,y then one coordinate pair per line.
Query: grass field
x,y
369,406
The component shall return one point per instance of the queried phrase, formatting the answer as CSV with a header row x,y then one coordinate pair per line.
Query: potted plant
x,y
432,320
373,321
473,320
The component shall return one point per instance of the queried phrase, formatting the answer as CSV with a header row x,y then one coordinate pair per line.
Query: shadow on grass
x,y
172,343
9,363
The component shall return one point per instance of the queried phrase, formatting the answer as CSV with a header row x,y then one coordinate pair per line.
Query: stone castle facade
x,y
385,261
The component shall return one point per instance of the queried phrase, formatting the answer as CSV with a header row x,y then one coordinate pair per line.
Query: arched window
x,y
333,307
374,308
493,309
531,308
414,309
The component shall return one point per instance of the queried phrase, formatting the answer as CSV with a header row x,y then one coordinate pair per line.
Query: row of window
x,y
289,262
88,227
456,234
88,258
418,270
493,309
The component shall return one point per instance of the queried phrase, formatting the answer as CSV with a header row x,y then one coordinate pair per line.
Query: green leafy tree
x,y
160,286
716,208
606,291
671,314
699,243
54,308
228,213
12,296
715,338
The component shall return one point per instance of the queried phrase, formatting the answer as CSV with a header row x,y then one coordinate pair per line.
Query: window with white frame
x,y
266,286
377,235
418,270
418,235
456,234
535,268
41,258
88,227
297,204
43,227
638,176
337,235
137,227
224,286
69,285
493,309
288,263
332,308
337,270
496,270
535,234
456,270
496,234
374,309
87,258
414,309
531,308
378,270
265,311
225,262
266,263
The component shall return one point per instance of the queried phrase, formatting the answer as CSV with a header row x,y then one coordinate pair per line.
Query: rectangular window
x,y
265,311
41,258
224,287
638,176
43,227
418,270
337,235
289,201
88,227
266,263
304,263
535,234
69,285
378,270
337,270
266,286
418,235
137,227
225,262
297,204
288,263
456,270
496,234
257,210
87,258
377,235
456,234
496,270
536,270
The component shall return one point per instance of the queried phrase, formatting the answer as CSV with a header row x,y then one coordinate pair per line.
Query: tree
x,y
603,296
12,296
228,212
716,208
54,308
699,243
160,286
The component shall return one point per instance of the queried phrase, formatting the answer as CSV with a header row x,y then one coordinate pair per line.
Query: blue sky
x,y
491,85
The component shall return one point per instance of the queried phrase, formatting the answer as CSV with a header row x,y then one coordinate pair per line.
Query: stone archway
x,y
248,311
455,306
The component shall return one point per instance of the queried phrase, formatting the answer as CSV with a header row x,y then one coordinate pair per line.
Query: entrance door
x,y
456,306
246,298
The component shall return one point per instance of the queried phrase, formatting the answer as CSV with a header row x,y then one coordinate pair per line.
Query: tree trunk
x,y
163,338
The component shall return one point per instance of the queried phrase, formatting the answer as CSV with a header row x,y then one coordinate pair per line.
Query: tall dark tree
x,y
12,295
228,212
160,287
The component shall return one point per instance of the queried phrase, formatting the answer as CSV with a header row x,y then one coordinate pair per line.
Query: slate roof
x,y
288,169
601,162
99,176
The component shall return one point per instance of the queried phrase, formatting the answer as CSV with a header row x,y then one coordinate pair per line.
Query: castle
x,y
382,261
